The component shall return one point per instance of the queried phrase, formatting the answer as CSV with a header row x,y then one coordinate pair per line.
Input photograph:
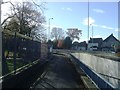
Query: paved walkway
x,y
60,73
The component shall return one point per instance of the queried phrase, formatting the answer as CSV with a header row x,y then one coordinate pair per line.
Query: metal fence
x,y
17,51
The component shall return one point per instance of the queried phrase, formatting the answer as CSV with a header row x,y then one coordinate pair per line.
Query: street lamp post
x,y
88,25
92,37
49,29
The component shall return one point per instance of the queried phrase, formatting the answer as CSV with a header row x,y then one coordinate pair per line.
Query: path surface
x,y
60,73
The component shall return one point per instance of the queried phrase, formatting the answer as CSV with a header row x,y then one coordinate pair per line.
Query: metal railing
x,y
17,51
109,76
97,79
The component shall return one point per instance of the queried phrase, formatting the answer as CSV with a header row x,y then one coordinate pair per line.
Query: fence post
x,y
14,53
4,68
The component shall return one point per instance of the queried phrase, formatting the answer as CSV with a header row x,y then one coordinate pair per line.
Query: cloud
x,y
51,26
91,21
67,9
106,27
117,29
98,10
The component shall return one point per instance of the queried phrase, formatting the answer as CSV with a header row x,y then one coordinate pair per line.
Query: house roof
x,y
111,36
80,44
83,43
75,43
95,40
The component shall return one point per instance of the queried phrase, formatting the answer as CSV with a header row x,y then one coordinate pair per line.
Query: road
x,y
60,73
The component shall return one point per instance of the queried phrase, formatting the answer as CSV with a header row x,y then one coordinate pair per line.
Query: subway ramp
x,y
61,73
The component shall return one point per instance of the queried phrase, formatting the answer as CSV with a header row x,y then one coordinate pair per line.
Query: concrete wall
x,y
44,50
101,65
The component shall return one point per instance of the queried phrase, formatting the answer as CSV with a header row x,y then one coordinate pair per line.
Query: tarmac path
x,y
60,73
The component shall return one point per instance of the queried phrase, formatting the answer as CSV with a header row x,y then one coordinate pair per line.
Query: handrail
x,y
97,78
18,35
109,76
20,69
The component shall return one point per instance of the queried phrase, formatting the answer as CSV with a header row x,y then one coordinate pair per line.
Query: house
x,y
95,44
60,44
109,43
79,46
75,45
82,46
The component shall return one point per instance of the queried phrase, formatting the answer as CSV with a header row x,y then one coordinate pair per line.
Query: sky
x,y
103,16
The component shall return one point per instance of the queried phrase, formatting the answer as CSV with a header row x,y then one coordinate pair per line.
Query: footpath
x,y
59,74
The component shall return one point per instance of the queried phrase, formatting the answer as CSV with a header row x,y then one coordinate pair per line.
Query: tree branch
x,y
37,5
6,19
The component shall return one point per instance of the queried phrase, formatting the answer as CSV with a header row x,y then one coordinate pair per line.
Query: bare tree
x,y
57,33
74,33
29,20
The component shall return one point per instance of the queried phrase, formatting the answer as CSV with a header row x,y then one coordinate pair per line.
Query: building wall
x,y
82,48
92,44
110,42
44,50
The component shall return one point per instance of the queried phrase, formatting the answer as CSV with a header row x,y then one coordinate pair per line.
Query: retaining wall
x,y
102,66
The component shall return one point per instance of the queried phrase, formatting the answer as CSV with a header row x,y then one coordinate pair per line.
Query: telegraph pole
x,y
49,34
